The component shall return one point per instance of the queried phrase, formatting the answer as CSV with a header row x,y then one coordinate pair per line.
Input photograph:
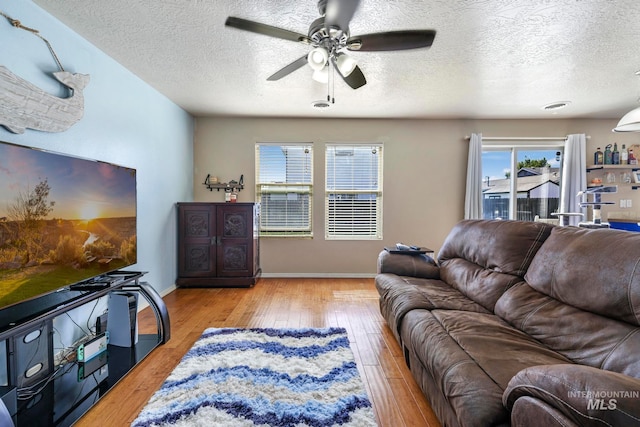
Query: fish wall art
x,y
25,106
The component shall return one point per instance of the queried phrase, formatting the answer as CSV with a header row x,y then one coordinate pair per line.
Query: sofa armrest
x,y
585,395
422,266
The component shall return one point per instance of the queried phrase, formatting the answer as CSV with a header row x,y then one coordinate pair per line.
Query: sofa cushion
x,y
584,337
595,270
472,356
400,294
484,258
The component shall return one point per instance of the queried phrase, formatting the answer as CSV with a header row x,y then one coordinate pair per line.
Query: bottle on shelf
x,y
615,155
598,157
624,155
607,154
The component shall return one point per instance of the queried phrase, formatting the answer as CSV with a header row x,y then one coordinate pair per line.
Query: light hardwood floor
x,y
277,303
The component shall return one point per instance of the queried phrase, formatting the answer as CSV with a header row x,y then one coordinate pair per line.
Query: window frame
x,y
299,187
338,232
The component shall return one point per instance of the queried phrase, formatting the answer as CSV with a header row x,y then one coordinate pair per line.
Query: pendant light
x,y
630,122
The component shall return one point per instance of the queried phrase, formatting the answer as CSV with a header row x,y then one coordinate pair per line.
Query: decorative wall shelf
x,y
601,167
228,187
634,185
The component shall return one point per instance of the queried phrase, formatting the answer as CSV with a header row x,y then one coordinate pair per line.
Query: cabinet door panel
x,y
198,223
197,260
197,251
235,222
235,256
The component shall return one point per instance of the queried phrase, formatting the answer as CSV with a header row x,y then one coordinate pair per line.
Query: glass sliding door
x,y
521,182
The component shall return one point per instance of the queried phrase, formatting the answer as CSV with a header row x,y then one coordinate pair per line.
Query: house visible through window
x,y
521,183
353,191
284,183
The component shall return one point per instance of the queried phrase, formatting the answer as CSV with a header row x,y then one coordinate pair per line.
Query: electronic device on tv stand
x,y
95,283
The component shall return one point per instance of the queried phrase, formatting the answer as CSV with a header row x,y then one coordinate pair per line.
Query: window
x,y
353,192
284,183
521,182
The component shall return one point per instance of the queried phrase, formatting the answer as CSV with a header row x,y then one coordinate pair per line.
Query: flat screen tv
x,y
63,221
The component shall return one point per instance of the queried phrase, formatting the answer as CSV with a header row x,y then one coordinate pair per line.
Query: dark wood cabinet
x,y
218,244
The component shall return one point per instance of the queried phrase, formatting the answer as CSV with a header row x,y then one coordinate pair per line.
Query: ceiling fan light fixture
x,y
346,64
630,122
329,36
321,105
318,58
321,76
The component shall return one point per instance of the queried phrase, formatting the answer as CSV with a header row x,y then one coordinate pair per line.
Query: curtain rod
x,y
523,138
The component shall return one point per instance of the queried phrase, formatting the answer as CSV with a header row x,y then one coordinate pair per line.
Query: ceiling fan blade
x,y
392,40
356,79
267,30
338,13
298,63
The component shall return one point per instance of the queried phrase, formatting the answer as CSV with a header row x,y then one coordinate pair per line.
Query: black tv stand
x,y
68,389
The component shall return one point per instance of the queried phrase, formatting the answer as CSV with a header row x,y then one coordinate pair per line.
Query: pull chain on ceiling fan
x,y
330,39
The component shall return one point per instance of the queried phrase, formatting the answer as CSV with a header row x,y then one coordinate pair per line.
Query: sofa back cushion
x,y
584,337
484,258
581,298
594,270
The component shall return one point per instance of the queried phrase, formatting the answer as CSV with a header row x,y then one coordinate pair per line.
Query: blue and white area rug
x,y
263,377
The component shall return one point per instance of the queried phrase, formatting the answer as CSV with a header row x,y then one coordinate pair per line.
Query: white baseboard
x,y
318,275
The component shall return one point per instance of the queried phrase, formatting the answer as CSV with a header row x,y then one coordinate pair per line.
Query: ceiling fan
x,y
330,39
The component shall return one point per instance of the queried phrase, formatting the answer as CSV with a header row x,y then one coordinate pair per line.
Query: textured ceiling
x,y
490,58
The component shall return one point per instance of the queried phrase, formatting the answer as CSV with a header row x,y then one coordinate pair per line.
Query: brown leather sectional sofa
x,y
521,323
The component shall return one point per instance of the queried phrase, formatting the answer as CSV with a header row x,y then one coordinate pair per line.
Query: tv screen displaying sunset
x,y
63,219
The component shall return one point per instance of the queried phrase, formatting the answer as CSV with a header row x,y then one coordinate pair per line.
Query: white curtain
x,y
574,176
473,196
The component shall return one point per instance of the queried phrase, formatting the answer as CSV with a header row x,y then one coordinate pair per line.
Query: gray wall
x,y
424,178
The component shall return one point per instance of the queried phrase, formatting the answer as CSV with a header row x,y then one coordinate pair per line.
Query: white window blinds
x,y
284,183
353,192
